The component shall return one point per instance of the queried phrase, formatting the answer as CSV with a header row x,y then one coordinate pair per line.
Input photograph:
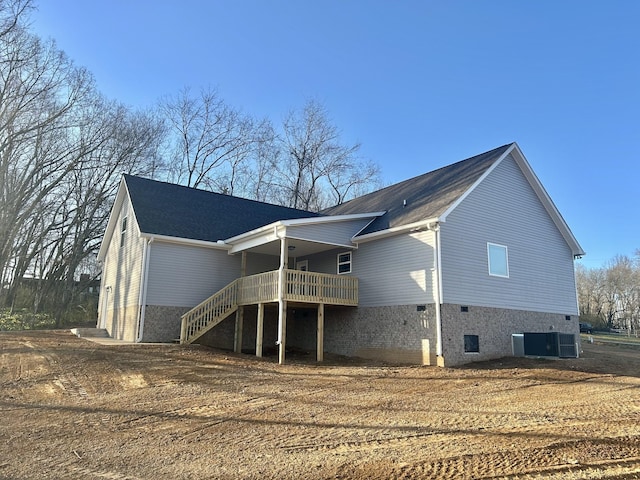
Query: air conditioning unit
x,y
547,344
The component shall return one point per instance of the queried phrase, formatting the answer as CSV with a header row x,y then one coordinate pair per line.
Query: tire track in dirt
x,y
561,458
67,383
196,419
156,413
513,425
72,468
70,385
386,438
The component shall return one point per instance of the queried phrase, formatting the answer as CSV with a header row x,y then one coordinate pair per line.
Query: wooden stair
x,y
206,315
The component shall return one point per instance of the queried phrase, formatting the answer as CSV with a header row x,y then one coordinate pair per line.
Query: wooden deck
x,y
299,287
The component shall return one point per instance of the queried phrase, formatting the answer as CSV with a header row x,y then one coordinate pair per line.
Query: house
x,y
443,268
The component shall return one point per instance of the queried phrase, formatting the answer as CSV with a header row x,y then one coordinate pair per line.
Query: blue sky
x,y
420,84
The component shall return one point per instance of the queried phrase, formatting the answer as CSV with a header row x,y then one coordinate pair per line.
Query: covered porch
x,y
284,288
292,244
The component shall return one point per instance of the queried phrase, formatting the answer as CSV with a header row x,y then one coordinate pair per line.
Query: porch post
x,y
282,303
320,334
243,264
260,330
237,340
237,344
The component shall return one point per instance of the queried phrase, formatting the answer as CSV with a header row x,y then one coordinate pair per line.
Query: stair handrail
x,y
209,312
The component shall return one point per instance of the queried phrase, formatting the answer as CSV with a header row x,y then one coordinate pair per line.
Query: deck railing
x,y
259,288
300,286
314,287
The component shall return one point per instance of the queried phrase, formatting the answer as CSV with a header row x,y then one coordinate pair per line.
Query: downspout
x,y
575,283
435,227
104,296
281,282
146,253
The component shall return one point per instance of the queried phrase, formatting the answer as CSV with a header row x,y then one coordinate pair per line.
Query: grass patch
x,y
25,320
612,338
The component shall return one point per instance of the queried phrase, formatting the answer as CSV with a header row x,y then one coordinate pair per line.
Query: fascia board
x,y
363,228
320,242
266,230
416,226
252,241
462,197
111,223
254,233
547,202
330,219
538,188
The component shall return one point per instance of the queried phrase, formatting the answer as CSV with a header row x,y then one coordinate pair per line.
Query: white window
x,y
344,262
498,260
123,231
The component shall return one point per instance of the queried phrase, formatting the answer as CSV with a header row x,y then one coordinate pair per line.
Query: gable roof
x,y
179,212
432,196
420,198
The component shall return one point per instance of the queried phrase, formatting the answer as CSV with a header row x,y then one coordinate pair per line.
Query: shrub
x,y
25,320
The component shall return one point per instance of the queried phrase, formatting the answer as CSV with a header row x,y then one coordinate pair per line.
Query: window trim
x,y
123,230
506,260
349,263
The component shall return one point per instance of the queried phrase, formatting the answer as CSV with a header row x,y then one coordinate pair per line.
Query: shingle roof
x,y
427,196
183,212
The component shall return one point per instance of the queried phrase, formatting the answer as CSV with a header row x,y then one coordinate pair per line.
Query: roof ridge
x,y
210,192
399,184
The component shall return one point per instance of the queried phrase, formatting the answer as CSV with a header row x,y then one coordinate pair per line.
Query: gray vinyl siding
x,y
123,264
121,273
183,276
325,262
504,210
333,232
258,263
396,270
391,271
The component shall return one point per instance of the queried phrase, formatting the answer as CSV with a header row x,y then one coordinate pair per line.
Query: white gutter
x,y
423,224
146,254
186,241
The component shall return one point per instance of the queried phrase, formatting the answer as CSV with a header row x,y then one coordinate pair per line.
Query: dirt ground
x,y
71,408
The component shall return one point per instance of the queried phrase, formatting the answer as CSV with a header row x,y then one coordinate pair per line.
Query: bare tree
x,y
40,90
127,146
11,13
207,135
245,173
63,148
315,169
611,295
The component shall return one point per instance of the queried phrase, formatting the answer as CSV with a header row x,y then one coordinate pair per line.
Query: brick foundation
x,y
494,327
398,334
